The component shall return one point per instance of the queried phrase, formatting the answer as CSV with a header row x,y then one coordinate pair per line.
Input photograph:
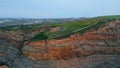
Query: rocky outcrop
x,y
20,35
103,41
93,61
55,29
8,52
11,43
94,49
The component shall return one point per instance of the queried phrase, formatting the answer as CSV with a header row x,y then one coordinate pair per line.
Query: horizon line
x,y
55,17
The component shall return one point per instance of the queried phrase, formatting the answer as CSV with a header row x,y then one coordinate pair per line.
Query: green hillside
x,y
63,30
80,26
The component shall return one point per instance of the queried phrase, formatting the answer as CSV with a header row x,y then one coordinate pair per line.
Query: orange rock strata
x,y
103,41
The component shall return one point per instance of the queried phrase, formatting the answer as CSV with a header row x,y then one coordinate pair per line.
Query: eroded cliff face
x,y
106,40
20,35
94,49
8,52
11,43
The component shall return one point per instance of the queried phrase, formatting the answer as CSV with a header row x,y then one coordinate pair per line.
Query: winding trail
x,y
74,31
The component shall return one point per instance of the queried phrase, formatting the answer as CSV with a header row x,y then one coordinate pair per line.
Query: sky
x,y
58,8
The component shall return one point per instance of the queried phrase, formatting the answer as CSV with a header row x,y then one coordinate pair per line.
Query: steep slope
x,y
105,40
86,47
11,43
91,50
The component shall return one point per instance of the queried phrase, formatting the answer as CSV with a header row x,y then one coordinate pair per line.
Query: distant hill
x,y
29,21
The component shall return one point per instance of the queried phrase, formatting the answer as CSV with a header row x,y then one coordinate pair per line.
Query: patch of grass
x,y
41,36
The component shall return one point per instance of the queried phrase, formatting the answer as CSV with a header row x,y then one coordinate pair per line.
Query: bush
x,y
41,36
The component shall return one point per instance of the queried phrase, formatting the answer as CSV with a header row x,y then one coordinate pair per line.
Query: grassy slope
x,y
81,26
70,27
78,26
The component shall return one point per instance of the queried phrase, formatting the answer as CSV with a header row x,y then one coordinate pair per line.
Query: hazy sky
x,y
58,8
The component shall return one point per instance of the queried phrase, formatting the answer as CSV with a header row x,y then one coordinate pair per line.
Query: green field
x,y
71,27
80,26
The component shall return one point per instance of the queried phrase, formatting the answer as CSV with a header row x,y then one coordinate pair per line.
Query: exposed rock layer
x,y
103,41
94,49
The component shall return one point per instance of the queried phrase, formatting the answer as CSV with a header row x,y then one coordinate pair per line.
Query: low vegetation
x,y
70,27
